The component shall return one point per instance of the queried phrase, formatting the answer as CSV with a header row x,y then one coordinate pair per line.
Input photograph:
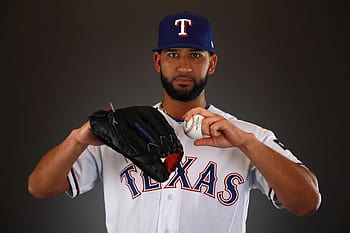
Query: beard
x,y
183,95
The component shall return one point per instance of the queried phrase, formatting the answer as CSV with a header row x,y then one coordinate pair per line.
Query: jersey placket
x,y
169,213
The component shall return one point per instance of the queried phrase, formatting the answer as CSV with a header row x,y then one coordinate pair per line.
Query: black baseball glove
x,y
141,134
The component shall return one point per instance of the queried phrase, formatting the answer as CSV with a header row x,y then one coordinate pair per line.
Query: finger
x,y
215,128
207,122
204,142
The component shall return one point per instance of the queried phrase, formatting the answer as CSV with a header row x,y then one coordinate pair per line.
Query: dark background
x,y
281,65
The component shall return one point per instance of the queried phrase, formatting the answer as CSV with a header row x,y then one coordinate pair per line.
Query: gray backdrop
x,y
280,66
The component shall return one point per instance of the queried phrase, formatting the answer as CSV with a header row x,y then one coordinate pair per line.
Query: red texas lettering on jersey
x,y
206,182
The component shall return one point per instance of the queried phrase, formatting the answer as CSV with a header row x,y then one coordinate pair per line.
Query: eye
x,y
196,55
173,55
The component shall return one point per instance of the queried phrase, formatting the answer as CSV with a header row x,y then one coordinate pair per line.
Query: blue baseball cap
x,y
185,30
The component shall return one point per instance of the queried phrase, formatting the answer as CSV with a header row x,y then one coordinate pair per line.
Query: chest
x,y
217,173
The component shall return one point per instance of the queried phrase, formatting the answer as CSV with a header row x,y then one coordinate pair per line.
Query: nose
x,y
184,65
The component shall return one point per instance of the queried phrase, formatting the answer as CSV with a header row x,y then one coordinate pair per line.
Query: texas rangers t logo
x,y
182,24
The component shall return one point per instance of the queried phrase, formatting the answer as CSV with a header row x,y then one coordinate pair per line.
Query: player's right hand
x,y
221,132
85,136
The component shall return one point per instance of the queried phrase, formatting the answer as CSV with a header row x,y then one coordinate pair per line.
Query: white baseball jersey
x,y
208,192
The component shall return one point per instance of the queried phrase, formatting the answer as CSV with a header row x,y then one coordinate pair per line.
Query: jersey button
x,y
171,197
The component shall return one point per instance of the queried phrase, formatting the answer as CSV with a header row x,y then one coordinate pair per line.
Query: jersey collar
x,y
160,107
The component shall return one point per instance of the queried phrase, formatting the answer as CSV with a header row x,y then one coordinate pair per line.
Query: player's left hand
x,y
221,132
141,134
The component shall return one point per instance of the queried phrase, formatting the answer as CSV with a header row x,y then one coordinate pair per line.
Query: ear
x,y
156,61
213,59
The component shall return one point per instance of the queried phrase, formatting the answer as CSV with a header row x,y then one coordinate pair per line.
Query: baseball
x,y
193,127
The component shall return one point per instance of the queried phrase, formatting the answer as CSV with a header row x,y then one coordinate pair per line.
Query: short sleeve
x,y
85,172
258,181
272,142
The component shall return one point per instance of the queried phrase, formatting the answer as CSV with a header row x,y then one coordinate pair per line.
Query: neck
x,y
177,109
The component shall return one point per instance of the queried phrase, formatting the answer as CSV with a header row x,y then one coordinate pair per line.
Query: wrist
x,y
75,139
248,142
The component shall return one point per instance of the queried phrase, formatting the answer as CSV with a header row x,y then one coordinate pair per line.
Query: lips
x,y
184,81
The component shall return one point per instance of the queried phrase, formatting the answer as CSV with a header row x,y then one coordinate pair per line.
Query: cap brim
x,y
183,46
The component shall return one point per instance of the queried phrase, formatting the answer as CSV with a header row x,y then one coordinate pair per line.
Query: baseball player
x,y
209,189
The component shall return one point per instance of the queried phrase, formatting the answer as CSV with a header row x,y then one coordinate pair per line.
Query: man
x,y
209,191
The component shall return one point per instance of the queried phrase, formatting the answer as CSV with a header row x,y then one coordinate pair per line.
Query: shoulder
x,y
218,111
260,132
